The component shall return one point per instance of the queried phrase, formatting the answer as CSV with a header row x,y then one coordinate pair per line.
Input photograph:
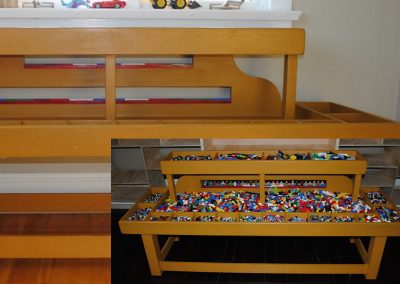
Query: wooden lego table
x,y
82,130
333,176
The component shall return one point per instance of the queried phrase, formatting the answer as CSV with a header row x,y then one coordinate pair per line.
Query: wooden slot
x,y
193,182
281,216
337,216
158,217
291,215
233,216
326,107
369,201
188,217
159,202
226,152
362,217
318,215
254,217
303,113
198,215
189,153
358,117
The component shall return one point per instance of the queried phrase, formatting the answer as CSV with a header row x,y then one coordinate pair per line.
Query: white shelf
x,y
56,18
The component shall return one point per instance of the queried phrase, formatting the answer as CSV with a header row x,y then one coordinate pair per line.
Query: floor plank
x,y
55,271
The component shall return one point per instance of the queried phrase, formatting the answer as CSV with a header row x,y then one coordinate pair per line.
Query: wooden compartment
x,y
155,196
139,211
306,114
274,217
251,217
344,217
159,217
371,217
357,166
327,107
384,201
393,215
182,217
205,216
258,154
320,217
182,154
291,217
358,117
227,217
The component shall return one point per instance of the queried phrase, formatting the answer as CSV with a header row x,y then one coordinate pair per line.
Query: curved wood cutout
x,y
250,97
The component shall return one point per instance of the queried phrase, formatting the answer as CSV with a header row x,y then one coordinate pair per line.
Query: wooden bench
x,y
334,177
256,108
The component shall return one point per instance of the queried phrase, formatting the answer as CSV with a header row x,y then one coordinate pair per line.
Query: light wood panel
x,y
58,246
55,235
90,139
192,183
285,268
56,202
145,41
289,86
36,224
110,87
60,271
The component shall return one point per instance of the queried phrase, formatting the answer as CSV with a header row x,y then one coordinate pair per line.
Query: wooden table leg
x,y
356,187
374,256
153,253
171,187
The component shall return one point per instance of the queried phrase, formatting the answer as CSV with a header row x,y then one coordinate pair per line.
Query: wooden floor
x,y
129,263
55,271
50,224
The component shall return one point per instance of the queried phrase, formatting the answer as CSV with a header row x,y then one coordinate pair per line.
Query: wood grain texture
x,y
94,139
60,271
54,224
110,87
59,202
144,41
55,246
250,96
55,235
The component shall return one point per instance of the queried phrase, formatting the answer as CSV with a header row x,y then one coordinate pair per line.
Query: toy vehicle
x,y
117,4
175,4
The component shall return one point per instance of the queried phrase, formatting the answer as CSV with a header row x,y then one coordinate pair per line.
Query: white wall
x,y
352,53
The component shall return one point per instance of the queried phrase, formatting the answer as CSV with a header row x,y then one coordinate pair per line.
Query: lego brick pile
x,y
276,201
